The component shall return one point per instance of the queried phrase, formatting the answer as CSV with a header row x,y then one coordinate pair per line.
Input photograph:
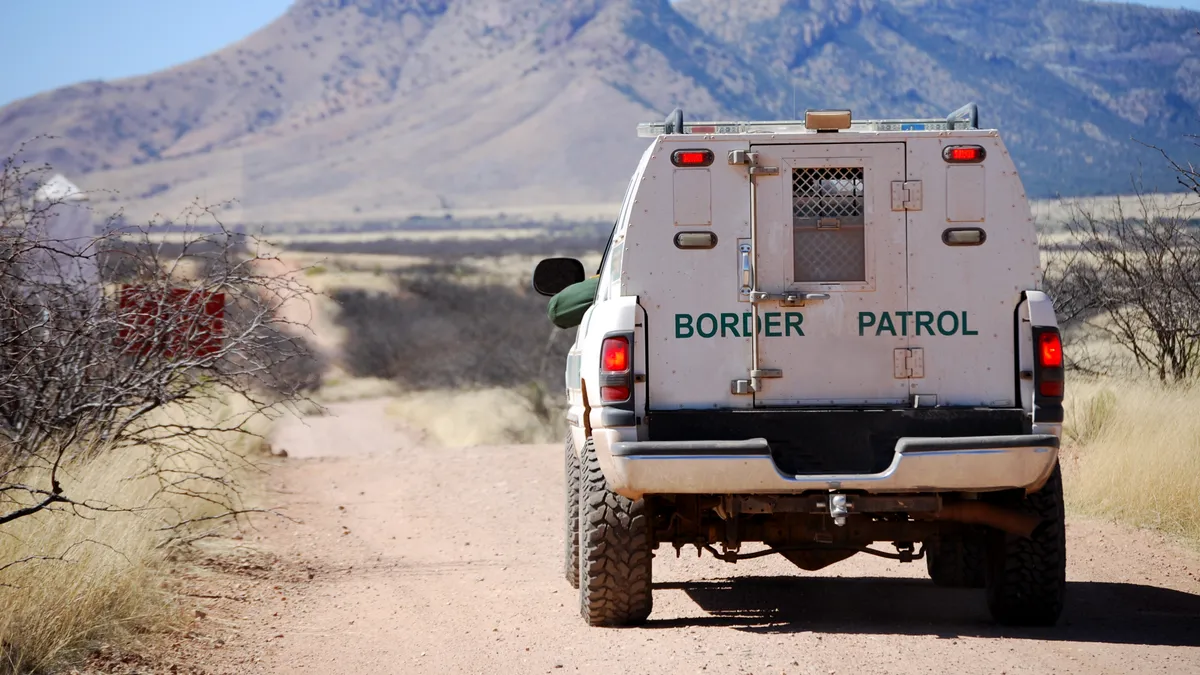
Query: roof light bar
x,y
655,129
966,117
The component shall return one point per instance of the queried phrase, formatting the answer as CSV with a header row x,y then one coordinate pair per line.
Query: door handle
x,y
788,299
747,269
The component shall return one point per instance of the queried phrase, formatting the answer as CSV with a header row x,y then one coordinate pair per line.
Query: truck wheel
x,y
571,533
615,551
957,561
1027,578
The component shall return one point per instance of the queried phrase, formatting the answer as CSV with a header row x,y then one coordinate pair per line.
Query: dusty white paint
x,y
954,314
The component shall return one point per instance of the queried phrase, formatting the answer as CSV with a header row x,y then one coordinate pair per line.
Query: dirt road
x,y
417,559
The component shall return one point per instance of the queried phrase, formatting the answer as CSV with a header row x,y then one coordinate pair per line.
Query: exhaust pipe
x,y
981,513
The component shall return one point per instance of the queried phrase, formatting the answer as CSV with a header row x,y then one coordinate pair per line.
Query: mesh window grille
x,y
827,223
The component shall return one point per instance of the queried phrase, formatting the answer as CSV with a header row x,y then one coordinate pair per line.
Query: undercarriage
x,y
819,529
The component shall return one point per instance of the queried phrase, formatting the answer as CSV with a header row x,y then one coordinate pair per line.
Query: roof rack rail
x,y
966,117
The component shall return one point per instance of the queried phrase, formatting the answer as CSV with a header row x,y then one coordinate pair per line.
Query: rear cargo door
x,y
827,235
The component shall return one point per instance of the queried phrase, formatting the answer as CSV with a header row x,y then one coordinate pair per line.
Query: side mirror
x,y
554,274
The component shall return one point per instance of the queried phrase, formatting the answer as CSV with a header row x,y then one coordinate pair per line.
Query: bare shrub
x,y
437,331
86,368
119,352
301,374
1132,274
579,240
124,259
70,583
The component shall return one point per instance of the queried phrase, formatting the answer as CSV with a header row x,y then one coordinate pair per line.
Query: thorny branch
x,y
115,339
1131,273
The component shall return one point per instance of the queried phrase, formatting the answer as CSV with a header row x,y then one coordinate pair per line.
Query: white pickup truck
x,y
816,337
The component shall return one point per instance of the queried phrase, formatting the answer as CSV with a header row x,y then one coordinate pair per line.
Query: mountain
x,y
349,109
1069,83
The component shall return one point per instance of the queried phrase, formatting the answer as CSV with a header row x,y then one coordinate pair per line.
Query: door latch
x,y
750,159
754,384
788,299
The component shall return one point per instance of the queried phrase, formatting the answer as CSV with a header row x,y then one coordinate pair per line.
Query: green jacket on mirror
x,y
566,309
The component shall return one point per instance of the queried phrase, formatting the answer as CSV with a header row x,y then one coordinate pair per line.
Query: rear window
x,y
828,237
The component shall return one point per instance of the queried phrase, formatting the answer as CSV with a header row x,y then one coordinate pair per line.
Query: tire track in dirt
x,y
409,558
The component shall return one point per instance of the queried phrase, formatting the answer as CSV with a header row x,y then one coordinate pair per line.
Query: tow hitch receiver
x,y
838,510
839,506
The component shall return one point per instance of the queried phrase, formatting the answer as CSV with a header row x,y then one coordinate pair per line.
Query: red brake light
x,y
614,356
614,394
692,157
1050,350
1051,388
968,154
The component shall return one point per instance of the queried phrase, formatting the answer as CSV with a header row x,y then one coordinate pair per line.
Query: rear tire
x,y
1027,578
958,561
615,551
571,529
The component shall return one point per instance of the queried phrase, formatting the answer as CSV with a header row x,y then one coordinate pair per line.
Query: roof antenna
x,y
674,124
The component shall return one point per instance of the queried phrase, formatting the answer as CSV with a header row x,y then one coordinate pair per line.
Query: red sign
x,y
173,322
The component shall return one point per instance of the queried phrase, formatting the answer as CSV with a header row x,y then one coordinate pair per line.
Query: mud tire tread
x,y
571,522
1027,578
958,562
615,551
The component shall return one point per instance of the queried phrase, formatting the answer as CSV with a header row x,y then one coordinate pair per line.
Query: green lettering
x,y
683,326
903,321
793,320
885,323
967,331
773,324
863,322
925,319
700,325
729,324
746,324
941,320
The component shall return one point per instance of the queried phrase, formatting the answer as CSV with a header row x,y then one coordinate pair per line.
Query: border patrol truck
x,y
821,338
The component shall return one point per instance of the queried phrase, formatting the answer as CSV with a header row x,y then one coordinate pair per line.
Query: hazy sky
x,y
51,43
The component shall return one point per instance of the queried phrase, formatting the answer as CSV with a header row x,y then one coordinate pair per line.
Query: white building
x,y
63,222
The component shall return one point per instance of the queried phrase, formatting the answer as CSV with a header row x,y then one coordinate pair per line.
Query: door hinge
x,y
906,195
908,363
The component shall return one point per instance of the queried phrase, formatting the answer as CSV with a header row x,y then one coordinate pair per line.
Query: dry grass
x,y
1133,454
340,387
479,417
99,577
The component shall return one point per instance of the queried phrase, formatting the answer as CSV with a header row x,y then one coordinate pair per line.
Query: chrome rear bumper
x,y
961,464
